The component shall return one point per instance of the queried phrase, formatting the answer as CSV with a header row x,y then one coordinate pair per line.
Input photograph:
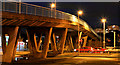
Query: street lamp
x,y
103,20
53,5
80,12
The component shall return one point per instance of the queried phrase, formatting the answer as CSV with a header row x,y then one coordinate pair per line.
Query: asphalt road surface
x,y
73,59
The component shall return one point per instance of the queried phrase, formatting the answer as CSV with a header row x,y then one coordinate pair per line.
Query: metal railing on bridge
x,y
42,11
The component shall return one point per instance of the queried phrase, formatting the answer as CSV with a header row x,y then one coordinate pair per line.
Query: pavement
x,y
72,59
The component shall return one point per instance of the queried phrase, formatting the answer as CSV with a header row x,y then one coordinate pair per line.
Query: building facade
x,y
110,34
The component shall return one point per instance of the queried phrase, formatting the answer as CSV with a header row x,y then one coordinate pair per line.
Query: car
x,y
100,50
84,49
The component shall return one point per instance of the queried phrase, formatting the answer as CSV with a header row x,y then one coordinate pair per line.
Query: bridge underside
x,y
13,23
15,19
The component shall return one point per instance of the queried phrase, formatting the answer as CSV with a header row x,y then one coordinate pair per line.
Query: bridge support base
x,y
62,42
8,52
53,43
46,43
69,44
90,42
34,45
85,41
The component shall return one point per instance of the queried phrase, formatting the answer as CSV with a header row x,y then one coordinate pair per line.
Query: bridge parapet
x,y
39,11
30,9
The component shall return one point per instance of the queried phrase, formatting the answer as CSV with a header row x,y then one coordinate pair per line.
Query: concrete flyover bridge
x,y
35,22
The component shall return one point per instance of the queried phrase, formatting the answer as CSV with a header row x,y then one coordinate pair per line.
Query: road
x,y
73,59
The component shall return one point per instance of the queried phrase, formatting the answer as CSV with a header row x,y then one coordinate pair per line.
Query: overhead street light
x,y
80,12
53,5
103,20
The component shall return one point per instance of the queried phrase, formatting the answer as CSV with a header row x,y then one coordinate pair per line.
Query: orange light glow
x,y
103,20
52,5
80,12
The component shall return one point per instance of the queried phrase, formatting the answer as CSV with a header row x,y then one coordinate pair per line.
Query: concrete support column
x,y
29,42
9,52
3,43
89,42
75,43
46,43
39,42
79,37
14,52
53,42
71,43
100,44
93,43
58,46
32,45
35,42
16,43
97,44
67,45
62,42
85,41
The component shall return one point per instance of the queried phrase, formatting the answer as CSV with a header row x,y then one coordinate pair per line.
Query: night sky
x,y
93,11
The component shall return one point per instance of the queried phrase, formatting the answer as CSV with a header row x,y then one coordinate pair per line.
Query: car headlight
x,y
106,50
74,49
92,49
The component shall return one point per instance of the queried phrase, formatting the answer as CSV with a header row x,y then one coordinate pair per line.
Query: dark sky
x,y
93,11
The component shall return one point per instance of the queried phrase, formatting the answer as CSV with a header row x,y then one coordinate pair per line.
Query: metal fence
x,y
37,10
25,8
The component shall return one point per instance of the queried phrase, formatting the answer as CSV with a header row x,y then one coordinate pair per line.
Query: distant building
x,y
113,27
109,34
98,30
109,29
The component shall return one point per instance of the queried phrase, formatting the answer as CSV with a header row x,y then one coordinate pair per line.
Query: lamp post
x,y
19,6
53,5
80,12
114,38
19,13
55,8
103,20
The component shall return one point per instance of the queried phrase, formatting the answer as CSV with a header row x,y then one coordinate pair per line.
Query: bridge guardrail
x,y
38,10
42,11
